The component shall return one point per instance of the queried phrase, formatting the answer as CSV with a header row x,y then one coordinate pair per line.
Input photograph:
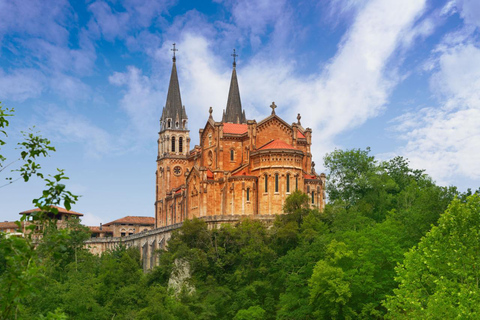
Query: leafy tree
x,y
22,267
32,147
252,313
349,173
439,279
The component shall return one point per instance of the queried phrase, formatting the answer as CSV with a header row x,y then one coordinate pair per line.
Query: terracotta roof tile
x,y
310,176
234,128
133,220
8,225
277,144
60,210
97,229
240,173
300,134
209,174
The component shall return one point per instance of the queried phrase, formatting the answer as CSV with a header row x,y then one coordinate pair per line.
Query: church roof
x,y
209,174
236,128
300,134
276,144
310,176
173,107
132,220
60,210
234,113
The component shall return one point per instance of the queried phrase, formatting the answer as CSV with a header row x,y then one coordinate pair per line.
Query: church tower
x,y
234,113
173,147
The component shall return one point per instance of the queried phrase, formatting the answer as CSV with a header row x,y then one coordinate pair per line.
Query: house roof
x,y
276,144
133,220
8,225
236,128
60,210
300,134
96,229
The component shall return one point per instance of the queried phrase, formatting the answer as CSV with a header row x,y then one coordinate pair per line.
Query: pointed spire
x,y
173,109
234,112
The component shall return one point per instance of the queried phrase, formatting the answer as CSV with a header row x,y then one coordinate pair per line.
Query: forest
x,y
390,244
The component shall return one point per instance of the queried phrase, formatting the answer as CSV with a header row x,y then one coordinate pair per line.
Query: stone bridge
x,y
149,242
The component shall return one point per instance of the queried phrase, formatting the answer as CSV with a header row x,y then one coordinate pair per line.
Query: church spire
x,y
173,115
234,112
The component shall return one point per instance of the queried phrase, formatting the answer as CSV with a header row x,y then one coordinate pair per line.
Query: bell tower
x,y
173,147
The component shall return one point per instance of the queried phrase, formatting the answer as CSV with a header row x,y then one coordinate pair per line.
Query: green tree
x,y
349,173
21,266
252,313
439,278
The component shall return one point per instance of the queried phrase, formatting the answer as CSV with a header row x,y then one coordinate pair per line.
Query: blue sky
x,y
402,77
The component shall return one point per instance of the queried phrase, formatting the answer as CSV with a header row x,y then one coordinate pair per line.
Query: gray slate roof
x,y
234,113
173,107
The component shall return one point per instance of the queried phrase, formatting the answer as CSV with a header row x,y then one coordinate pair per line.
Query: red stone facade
x,y
238,169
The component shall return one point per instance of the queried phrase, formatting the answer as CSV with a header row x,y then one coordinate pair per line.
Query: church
x,y
241,167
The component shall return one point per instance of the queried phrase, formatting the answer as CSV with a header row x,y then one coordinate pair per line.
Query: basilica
x,y
241,167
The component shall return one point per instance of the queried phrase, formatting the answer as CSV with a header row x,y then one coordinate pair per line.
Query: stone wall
x,y
150,242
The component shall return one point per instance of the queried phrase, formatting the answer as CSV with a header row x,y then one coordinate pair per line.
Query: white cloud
x,y
136,14
446,139
470,11
40,33
67,127
140,101
21,84
40,19
254,17
352,88
89,219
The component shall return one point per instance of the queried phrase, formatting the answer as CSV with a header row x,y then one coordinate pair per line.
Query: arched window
x,y
313,197
248,194
266,183
232,154
169,123
173,144
276,182
180,144
288,182
176,124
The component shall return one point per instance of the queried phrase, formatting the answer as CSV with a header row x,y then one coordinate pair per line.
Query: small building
x,y
11,228
130,225
62,216
100,232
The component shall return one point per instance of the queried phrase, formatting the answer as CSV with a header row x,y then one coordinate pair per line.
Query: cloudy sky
x,y
402,77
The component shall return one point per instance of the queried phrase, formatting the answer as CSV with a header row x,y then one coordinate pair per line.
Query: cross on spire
x,y
174,44
234,55
273,106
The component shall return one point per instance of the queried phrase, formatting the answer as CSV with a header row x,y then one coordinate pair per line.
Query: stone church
x,y
241,167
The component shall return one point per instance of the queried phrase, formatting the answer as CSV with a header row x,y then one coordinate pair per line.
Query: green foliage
x,y
335,264
349,174
440,277
252,313
31,148
20,274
